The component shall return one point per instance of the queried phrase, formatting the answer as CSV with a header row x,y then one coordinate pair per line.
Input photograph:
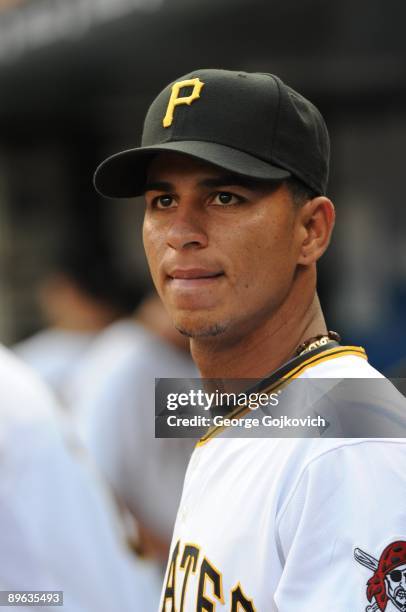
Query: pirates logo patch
x,y
387,586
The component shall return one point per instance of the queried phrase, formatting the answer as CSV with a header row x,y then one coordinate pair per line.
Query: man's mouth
x,y
193,277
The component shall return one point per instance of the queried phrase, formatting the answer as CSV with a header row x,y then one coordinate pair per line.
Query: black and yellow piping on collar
x,y
285,374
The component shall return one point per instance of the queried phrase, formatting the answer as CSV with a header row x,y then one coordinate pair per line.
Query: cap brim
x,y
124,175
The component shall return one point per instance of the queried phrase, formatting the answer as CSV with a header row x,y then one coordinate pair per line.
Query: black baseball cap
x,y
247,123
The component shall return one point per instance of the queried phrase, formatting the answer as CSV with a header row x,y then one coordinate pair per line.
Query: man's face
x,y
222,251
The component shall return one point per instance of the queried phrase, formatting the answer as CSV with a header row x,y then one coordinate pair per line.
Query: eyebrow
x,y
217,181
158,186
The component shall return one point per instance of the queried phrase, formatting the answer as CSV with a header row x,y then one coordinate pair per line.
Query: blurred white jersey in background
x,y
58,530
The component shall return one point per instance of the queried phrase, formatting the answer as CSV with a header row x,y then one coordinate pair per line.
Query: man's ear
x,y
317,219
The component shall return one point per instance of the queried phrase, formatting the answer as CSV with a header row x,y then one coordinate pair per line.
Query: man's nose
x,y
187,231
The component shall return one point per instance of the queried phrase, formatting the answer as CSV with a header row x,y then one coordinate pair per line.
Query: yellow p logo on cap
x,y
174,100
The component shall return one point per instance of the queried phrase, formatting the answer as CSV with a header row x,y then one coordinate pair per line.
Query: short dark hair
x,y
300,192
92,267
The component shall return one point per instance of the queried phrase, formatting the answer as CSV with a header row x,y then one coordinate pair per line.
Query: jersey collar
x,y
287,372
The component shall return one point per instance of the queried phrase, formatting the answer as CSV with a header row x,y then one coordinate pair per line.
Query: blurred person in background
x,y
59,531
113,402
82,295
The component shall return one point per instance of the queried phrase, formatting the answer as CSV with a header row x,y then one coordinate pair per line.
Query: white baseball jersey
x,y
286,525
54,353
58,530
113,401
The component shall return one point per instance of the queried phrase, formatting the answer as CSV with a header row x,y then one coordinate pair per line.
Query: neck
x,y
266,347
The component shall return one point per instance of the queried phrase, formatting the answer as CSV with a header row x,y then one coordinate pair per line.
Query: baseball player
x,y
234,169
59,530
113,401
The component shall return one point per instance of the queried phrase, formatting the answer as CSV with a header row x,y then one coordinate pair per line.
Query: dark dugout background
x,y
76,77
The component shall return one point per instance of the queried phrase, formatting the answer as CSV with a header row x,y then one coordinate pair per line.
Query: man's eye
x,y
164,201
224,198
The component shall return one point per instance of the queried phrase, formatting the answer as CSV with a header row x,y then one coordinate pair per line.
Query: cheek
x,y
265,252
152,246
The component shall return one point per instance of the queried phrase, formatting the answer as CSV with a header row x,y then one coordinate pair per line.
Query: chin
x,y
203,332
199,327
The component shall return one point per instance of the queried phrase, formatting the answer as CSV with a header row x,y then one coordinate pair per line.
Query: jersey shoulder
x,y
23,396
349,362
